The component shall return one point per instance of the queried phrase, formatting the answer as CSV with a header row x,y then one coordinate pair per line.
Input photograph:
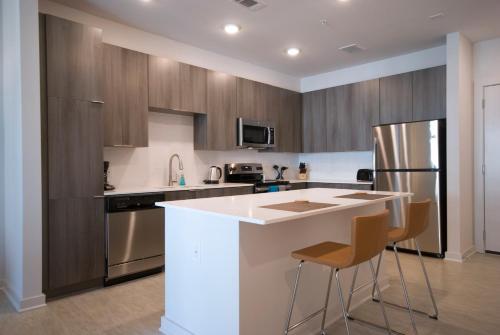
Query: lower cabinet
x,y
364,187
208,193
76,253
298,186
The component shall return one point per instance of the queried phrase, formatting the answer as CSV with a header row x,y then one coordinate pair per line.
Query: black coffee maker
x,y
107,186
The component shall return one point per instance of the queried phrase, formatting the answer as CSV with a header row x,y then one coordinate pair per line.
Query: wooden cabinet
x,y
429,94
176,86
314,121
74,60
257,101
223,192
396,103
289,124
298,186
217,129
73,151
352,110
125,97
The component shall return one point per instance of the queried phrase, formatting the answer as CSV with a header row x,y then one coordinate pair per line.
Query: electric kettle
x,y
214,175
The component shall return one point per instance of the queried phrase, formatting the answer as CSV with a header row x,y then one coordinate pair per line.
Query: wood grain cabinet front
x,y
125,106
74,60
396,98
175,86
429,94
314,121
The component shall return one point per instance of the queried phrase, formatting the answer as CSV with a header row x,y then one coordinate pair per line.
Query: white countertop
x,y
162,189
332,181
247,208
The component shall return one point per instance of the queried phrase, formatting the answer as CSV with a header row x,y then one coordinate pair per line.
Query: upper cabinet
x,y
314,126
289,125
74,60
351,111
257,101
217,129
125,97
429,94
396,98
176,86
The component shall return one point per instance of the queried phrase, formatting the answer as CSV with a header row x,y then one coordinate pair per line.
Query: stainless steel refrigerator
x,y
411,157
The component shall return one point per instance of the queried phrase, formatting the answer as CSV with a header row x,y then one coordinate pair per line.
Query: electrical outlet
x,y
196,252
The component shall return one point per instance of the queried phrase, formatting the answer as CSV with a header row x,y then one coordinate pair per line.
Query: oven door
x,y
254,134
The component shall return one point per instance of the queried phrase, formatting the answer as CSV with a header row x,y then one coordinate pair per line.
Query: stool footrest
x,y
306,319
395,332
391,304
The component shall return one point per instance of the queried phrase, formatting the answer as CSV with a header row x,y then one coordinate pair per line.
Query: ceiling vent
x,y
352,48
253,5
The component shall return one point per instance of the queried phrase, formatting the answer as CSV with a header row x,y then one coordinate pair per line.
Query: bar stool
x,y
368,238
416,223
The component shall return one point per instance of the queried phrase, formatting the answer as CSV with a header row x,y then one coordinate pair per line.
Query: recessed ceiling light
x,y
343,0
232,29
292,52
145,1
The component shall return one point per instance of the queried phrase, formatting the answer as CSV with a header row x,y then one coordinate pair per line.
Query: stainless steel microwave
x,y
254,134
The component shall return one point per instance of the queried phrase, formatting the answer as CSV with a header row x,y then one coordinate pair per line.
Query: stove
x,y
253,173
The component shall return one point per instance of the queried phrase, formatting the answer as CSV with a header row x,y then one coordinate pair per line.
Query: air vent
x,y
352,48
253,5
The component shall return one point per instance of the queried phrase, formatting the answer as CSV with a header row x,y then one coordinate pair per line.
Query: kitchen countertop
x,y
162,189
247,208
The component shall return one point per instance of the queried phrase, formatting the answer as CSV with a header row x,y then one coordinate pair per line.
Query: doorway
x,y
491,168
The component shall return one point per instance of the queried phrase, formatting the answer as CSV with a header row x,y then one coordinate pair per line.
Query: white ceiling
x,y
385,28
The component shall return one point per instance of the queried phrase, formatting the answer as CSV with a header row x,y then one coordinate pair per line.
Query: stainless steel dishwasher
x,y
135,234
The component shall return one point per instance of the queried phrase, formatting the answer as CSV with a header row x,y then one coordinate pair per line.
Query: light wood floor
x,y
468,297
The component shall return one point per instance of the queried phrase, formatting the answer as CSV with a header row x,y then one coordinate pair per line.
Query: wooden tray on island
x,y
299,206
363,196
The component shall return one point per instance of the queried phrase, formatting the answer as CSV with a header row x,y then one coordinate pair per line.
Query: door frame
x,y
479,174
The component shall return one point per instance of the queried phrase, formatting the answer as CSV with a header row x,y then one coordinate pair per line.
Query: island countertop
x,y
248,208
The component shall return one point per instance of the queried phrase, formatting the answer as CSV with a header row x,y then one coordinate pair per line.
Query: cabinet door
x,y
339,118
75,141
246,98
314,121
429,94
396,98
179,195
164,83
289,128
74,60
125,97
221,111
229,191
365,114
76,241
193,89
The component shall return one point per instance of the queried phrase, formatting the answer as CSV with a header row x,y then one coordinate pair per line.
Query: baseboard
x,y
23,305
169,327
459,257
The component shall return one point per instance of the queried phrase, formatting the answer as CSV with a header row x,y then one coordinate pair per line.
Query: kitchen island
x,y
228,266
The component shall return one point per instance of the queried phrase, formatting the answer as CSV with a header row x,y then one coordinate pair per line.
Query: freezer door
x,y
424,185
407,146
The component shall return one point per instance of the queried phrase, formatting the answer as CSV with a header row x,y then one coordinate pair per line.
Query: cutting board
x,y
363,196
299,206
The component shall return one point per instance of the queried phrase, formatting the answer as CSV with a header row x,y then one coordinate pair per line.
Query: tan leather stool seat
x,y
396,235
336,255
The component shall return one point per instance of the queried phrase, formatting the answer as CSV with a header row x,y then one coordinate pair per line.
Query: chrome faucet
x,y
181,167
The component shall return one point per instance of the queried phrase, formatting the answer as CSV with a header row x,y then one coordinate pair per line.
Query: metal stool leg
x,y
375,284
435,315
294,294
351,291
323,331
376,275
405,290
341,298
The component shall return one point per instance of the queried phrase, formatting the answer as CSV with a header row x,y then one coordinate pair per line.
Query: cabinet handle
x,y
98,196
123,146
97,102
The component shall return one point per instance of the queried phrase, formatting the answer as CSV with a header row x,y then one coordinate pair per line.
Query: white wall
x,y
460,153
2,150
128,37
382,68
486,72
22,154
336,166
168,134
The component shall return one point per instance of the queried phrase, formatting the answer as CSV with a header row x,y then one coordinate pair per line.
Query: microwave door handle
x,y
268,135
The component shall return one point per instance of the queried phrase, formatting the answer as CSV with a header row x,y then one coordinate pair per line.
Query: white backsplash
x,y
169,134
341,166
